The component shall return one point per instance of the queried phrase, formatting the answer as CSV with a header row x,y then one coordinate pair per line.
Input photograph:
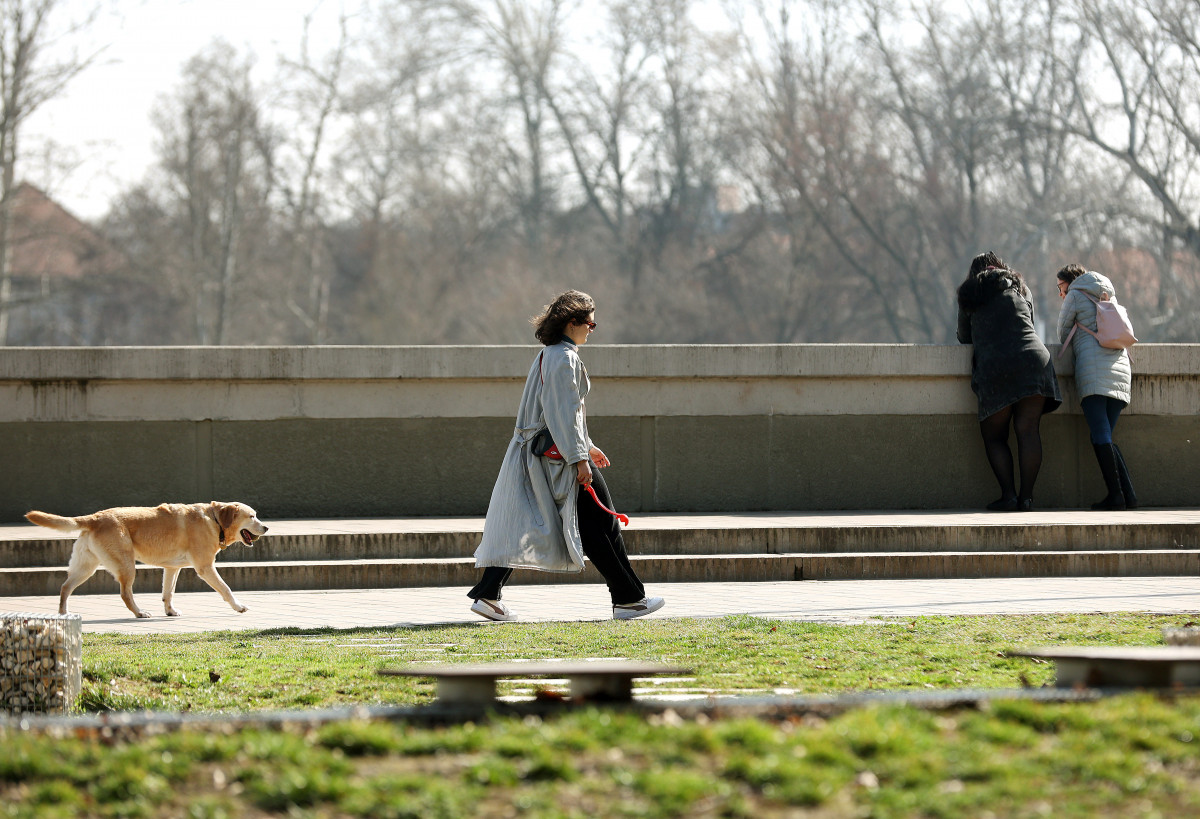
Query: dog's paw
x,y
140,614
172,613
239,608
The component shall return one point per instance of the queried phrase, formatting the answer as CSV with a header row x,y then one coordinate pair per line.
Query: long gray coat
x,y
1098,370
531,520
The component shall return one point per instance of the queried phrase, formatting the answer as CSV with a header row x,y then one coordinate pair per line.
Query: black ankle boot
x,y
1106,456
1131,501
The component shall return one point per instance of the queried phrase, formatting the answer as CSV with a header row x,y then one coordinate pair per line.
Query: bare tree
x,y
666,91
218,156
687,58
837,164
1138,106
1061,203
602,115
419,168
780,286
28,78
523,39
315,91
951,124
824,175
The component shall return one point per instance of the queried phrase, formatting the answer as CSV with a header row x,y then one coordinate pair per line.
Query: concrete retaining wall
x,y
747,568
381,431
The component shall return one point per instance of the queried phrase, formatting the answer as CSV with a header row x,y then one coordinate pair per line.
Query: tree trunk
x,y
231,221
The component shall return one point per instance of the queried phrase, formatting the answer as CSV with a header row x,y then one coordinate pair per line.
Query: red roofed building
x,y
70,286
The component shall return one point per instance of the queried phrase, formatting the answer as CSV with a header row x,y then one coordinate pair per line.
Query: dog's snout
x,y
266,529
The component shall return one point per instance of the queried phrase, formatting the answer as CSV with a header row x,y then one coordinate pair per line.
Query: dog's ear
x,y
227,514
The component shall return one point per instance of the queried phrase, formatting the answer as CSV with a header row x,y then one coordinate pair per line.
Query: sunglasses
x,y
591,324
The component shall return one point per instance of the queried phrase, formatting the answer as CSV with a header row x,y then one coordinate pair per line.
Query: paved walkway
x,y
837,601
843,601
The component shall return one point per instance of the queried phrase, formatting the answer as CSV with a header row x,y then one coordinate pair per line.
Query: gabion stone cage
x,y
1181,636
41,662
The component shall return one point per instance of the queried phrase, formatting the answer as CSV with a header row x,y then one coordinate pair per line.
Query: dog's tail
x,y
55,521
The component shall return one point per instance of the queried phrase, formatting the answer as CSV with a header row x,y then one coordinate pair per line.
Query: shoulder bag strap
x,y
1067,343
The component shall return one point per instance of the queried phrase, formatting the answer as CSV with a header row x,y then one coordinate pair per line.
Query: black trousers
x,y
602,543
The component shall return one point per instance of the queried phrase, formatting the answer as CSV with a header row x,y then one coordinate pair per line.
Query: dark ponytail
x,y
988,276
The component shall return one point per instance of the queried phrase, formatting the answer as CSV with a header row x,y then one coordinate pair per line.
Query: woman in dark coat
x,y
1011,373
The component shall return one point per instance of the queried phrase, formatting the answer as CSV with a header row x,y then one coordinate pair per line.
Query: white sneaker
x,y
492,610
641,608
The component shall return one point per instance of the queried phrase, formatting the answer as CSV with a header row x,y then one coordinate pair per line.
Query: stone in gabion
x,y
41,662
1181,636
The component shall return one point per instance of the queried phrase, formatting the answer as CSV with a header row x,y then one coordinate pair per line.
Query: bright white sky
x,y
97,138
102,125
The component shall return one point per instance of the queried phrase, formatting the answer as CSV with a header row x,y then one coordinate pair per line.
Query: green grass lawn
x,y
1133,755
732,655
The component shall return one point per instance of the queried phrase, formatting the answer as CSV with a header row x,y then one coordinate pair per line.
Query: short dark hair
x,y
1070,273
555,316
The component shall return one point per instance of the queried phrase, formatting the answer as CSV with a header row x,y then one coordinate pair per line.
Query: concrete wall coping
x,y
387,431
717,361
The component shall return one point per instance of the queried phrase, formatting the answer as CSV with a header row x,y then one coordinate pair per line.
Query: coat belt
x,y
523,436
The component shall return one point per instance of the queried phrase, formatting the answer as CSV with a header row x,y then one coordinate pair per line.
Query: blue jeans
x,y
1101,413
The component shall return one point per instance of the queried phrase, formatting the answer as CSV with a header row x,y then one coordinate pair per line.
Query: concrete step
x,y
280,548
28,546
408,573
412,552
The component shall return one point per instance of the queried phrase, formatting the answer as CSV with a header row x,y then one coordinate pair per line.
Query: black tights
x,y
1026,418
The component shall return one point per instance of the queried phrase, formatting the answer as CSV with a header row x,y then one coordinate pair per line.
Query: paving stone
x,y
841,601
1158,572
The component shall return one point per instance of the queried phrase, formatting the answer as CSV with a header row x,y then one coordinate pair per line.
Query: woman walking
x,y
542,514
1102,377
1011,373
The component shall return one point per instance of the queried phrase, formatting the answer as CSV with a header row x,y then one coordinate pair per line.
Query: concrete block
x,y
999,564
372,467
712,464
314,431
77,468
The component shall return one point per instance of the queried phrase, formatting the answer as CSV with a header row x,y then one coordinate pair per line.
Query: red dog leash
x,y
553,453
623,518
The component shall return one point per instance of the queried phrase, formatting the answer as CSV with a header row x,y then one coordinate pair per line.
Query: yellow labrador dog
x,y
171,535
